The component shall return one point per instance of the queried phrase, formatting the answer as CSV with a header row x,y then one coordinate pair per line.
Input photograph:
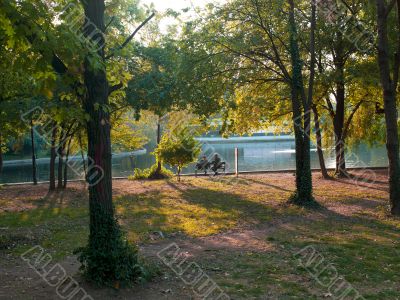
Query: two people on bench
x,y
215,164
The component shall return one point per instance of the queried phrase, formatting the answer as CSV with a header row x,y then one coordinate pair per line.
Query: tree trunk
x,y
98,127
319,144
53,155
108,258
159,166
82,156
61,151
34,166
389,97
301,120
1,154
179,174
66,164
99,258
338,122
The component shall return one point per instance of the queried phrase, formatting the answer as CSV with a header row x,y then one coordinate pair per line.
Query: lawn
x,y
240,232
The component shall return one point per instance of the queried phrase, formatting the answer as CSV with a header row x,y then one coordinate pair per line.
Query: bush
x,y
151,173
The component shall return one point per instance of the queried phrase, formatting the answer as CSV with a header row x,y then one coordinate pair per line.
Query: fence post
x,y
236,162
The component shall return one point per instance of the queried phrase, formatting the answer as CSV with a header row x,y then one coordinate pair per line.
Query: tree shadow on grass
x,y
141,213
227,202
269,185
361,249
364,182
350,246
362,203
186,209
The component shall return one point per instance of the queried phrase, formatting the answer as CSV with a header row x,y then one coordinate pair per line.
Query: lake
x,y
266,153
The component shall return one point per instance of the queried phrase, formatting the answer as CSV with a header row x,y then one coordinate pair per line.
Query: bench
x,y
210,166
221,166
202,167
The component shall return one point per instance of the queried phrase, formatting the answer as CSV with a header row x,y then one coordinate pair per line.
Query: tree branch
x,y
346,127
390,7
109,23
330,107
131,36
114,88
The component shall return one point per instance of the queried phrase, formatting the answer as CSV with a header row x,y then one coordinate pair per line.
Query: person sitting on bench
x,y
203,164
216,163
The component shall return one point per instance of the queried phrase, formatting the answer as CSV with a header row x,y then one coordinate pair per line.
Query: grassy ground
x,y
238,230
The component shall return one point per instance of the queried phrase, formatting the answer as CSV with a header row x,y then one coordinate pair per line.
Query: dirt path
x,y
19,281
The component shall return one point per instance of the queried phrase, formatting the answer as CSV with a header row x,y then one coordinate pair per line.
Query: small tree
x,y
178,150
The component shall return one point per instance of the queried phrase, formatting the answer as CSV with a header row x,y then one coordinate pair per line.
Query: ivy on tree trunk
x,y
301,105
108,259
389,87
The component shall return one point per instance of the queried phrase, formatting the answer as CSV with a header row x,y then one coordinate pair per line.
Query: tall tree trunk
x,y
339,118
389,97
66,164
319,143
1,154
108,258
338,127
98,127
99,258
301,120
53,155
34,166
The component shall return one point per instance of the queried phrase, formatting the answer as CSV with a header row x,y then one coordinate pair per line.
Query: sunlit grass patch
x,y
195,212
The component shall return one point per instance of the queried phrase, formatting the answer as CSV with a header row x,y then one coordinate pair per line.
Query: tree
x,y
106,252
301,104
16,87
178,150
78,59
249,67
389,72
340,51
156,88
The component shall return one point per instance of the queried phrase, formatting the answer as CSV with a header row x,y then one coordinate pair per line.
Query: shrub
x,y
151,173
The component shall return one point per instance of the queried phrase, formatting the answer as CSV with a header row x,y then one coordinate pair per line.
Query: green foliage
x,y
178,150
125,135
109,259
151,173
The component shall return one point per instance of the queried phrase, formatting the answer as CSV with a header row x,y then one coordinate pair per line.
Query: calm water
x,y
254,155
